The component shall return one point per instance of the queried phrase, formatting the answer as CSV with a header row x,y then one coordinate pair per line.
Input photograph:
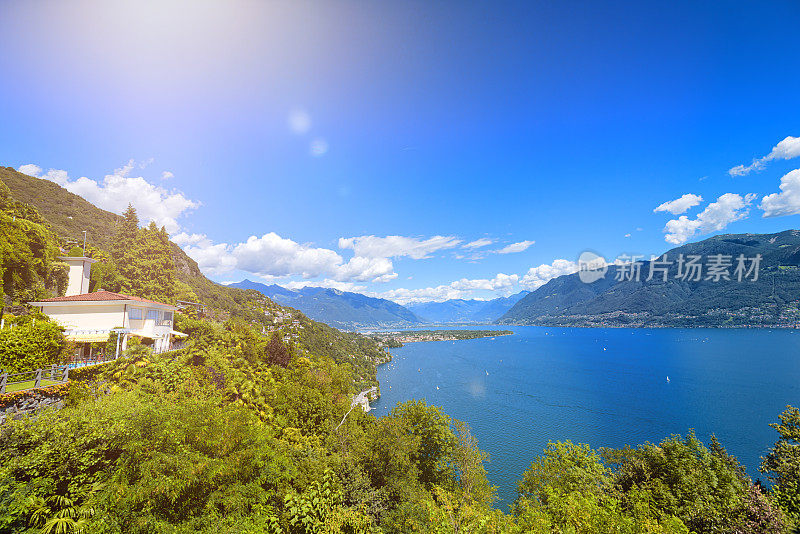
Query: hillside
x,y
772,300
466,311
65,213
341,309
69,215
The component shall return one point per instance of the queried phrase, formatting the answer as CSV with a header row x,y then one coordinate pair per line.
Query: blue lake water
x,y
605,387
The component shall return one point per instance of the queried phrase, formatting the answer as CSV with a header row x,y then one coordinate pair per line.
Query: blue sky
x,y
363,145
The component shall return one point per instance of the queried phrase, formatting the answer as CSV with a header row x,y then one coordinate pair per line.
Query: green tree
x,y
565,468
125,238
277,351
782,464
31,346
27,252
703,486
430,427
143,260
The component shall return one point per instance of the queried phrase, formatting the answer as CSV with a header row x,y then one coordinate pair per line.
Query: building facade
x,y
92,317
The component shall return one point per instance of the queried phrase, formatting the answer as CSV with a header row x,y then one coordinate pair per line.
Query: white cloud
x,y
501,282
273,255
459,289
539,276
363,269
478,243
728,208
211,258
680,205
299,121
787,149
393,246
30,169
787,202
117,190
318,147
166,175
516,247
627,235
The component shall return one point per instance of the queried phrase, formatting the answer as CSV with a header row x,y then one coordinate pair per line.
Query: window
x,y
166,319
135,314
152,315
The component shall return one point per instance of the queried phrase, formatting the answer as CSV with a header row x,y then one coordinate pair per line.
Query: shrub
x,y
31,346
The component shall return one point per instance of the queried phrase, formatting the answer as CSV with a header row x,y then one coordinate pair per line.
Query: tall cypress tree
x,y
126,235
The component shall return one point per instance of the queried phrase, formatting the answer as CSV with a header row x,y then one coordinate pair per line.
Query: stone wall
x,y
21,404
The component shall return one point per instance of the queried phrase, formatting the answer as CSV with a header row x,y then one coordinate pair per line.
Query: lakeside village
x,y
397,338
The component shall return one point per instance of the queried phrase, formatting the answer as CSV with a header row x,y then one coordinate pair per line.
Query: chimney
x,y
80,269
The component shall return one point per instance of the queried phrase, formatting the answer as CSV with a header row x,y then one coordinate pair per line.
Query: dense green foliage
x,y
213,438
244,429
782,464
143,260
27,253
223,436
31,345
139,264
360,353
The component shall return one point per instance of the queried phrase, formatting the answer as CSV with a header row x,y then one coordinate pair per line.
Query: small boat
x,y
487,373
437,387
667,379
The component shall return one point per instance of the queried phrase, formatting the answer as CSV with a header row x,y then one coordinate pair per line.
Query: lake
x,y
605,387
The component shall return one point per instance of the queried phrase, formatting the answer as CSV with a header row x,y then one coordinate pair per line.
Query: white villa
x,y
91,317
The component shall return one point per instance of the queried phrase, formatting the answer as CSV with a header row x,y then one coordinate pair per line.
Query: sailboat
x,y
667,379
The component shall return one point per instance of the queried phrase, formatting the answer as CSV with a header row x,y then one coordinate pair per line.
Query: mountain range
x,y
618,299
771,300
466,311
340,309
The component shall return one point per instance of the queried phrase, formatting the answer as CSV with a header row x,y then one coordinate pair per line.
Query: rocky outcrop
x,y
14,406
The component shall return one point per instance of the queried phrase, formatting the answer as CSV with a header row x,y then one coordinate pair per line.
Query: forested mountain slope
x,y
771,299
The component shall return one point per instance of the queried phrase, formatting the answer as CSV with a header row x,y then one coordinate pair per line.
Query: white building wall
x,y
80,270
113,315
93,317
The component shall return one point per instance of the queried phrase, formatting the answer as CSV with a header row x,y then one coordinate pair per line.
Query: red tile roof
x,y
100,295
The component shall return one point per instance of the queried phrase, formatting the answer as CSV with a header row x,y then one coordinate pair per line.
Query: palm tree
x,y
58,514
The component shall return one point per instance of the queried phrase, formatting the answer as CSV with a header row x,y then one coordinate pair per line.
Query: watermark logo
x,y
685,268
591,267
